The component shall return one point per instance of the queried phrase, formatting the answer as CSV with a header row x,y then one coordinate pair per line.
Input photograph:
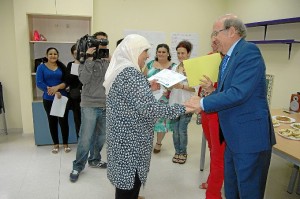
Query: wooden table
x,y
288,149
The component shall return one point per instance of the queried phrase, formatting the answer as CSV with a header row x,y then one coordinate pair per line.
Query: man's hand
x,y
193,104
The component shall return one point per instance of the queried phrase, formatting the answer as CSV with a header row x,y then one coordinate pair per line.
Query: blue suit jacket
x,y
241,102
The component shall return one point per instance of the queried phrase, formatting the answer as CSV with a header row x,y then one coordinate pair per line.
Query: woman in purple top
x,y
50,78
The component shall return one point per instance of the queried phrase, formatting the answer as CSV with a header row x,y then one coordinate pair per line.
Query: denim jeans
x,y
180,138
92,136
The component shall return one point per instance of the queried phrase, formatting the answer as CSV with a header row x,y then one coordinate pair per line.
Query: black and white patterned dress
x,y
131,114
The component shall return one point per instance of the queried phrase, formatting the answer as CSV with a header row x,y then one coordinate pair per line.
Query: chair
x,y
2,110
269,85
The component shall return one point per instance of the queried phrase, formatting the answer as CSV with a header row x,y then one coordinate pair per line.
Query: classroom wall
x,y
8,67
286,71
192,16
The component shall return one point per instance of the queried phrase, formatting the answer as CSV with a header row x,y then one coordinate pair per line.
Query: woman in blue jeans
x,y
180,93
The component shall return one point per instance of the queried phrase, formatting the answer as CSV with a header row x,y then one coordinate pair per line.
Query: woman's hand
x,y
178,86
154,85
58,94
207,84
52,90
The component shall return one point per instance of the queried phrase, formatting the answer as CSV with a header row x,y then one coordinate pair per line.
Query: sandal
x,y
182,158
175,158
204,185
157,149
55,149
67,149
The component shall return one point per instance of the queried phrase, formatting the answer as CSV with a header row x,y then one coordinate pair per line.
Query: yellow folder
x,y
207,65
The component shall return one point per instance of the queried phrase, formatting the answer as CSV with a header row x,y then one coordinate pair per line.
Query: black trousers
x,y
54,121
132,193
75,107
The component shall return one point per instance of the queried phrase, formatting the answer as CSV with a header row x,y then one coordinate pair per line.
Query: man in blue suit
x,y
244,116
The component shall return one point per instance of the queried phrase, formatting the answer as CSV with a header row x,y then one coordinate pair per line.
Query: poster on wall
x,y
178,37
153,37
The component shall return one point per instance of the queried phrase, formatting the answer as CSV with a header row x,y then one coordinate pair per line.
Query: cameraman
x,y
103,35
92,133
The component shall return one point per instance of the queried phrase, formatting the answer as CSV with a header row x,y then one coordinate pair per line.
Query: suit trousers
x,y
210,125
246,174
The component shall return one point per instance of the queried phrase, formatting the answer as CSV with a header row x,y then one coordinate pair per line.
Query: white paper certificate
x,y
58,107
167,77
74,69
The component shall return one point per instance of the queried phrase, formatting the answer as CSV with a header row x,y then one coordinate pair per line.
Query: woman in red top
x,y
210,126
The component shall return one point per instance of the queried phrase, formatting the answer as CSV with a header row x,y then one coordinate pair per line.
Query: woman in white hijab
x,y
131,114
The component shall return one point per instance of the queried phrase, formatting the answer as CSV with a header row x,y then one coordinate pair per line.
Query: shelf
x,y
284,41
272,22
275,22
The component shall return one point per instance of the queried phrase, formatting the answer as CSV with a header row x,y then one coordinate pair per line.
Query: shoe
x,y
55,149
74,176
141,197
204,185
157,148
67,149
175,158
182,158
100,164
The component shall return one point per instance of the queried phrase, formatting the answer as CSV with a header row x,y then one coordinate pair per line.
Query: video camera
x,y
87,42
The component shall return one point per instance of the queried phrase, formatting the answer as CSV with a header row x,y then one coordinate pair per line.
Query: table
x,y
285,148
288,149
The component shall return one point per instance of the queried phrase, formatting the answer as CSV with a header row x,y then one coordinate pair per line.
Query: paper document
x,y
157,94
206,65
74,69
167,77
58,107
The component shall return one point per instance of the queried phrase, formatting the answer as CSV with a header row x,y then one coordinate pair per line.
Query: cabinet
x,y
265,24
42,134
61,32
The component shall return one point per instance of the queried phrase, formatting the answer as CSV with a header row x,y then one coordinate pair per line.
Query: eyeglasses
x,y
215,33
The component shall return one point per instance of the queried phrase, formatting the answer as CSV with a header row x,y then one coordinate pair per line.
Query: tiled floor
x,y
32,172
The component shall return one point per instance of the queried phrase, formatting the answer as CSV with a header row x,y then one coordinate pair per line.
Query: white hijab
x,y
125,55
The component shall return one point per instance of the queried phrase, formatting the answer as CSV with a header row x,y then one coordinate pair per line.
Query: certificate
x,y
167,77
58,107
205,65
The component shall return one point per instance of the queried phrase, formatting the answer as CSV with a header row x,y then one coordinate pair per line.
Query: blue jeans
x,y
92,136
180,138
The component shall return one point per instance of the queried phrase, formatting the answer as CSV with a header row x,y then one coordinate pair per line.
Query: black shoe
x,y
100,164
74,175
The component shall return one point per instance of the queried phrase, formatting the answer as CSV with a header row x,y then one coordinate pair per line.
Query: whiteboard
x,y
153,37
178,37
